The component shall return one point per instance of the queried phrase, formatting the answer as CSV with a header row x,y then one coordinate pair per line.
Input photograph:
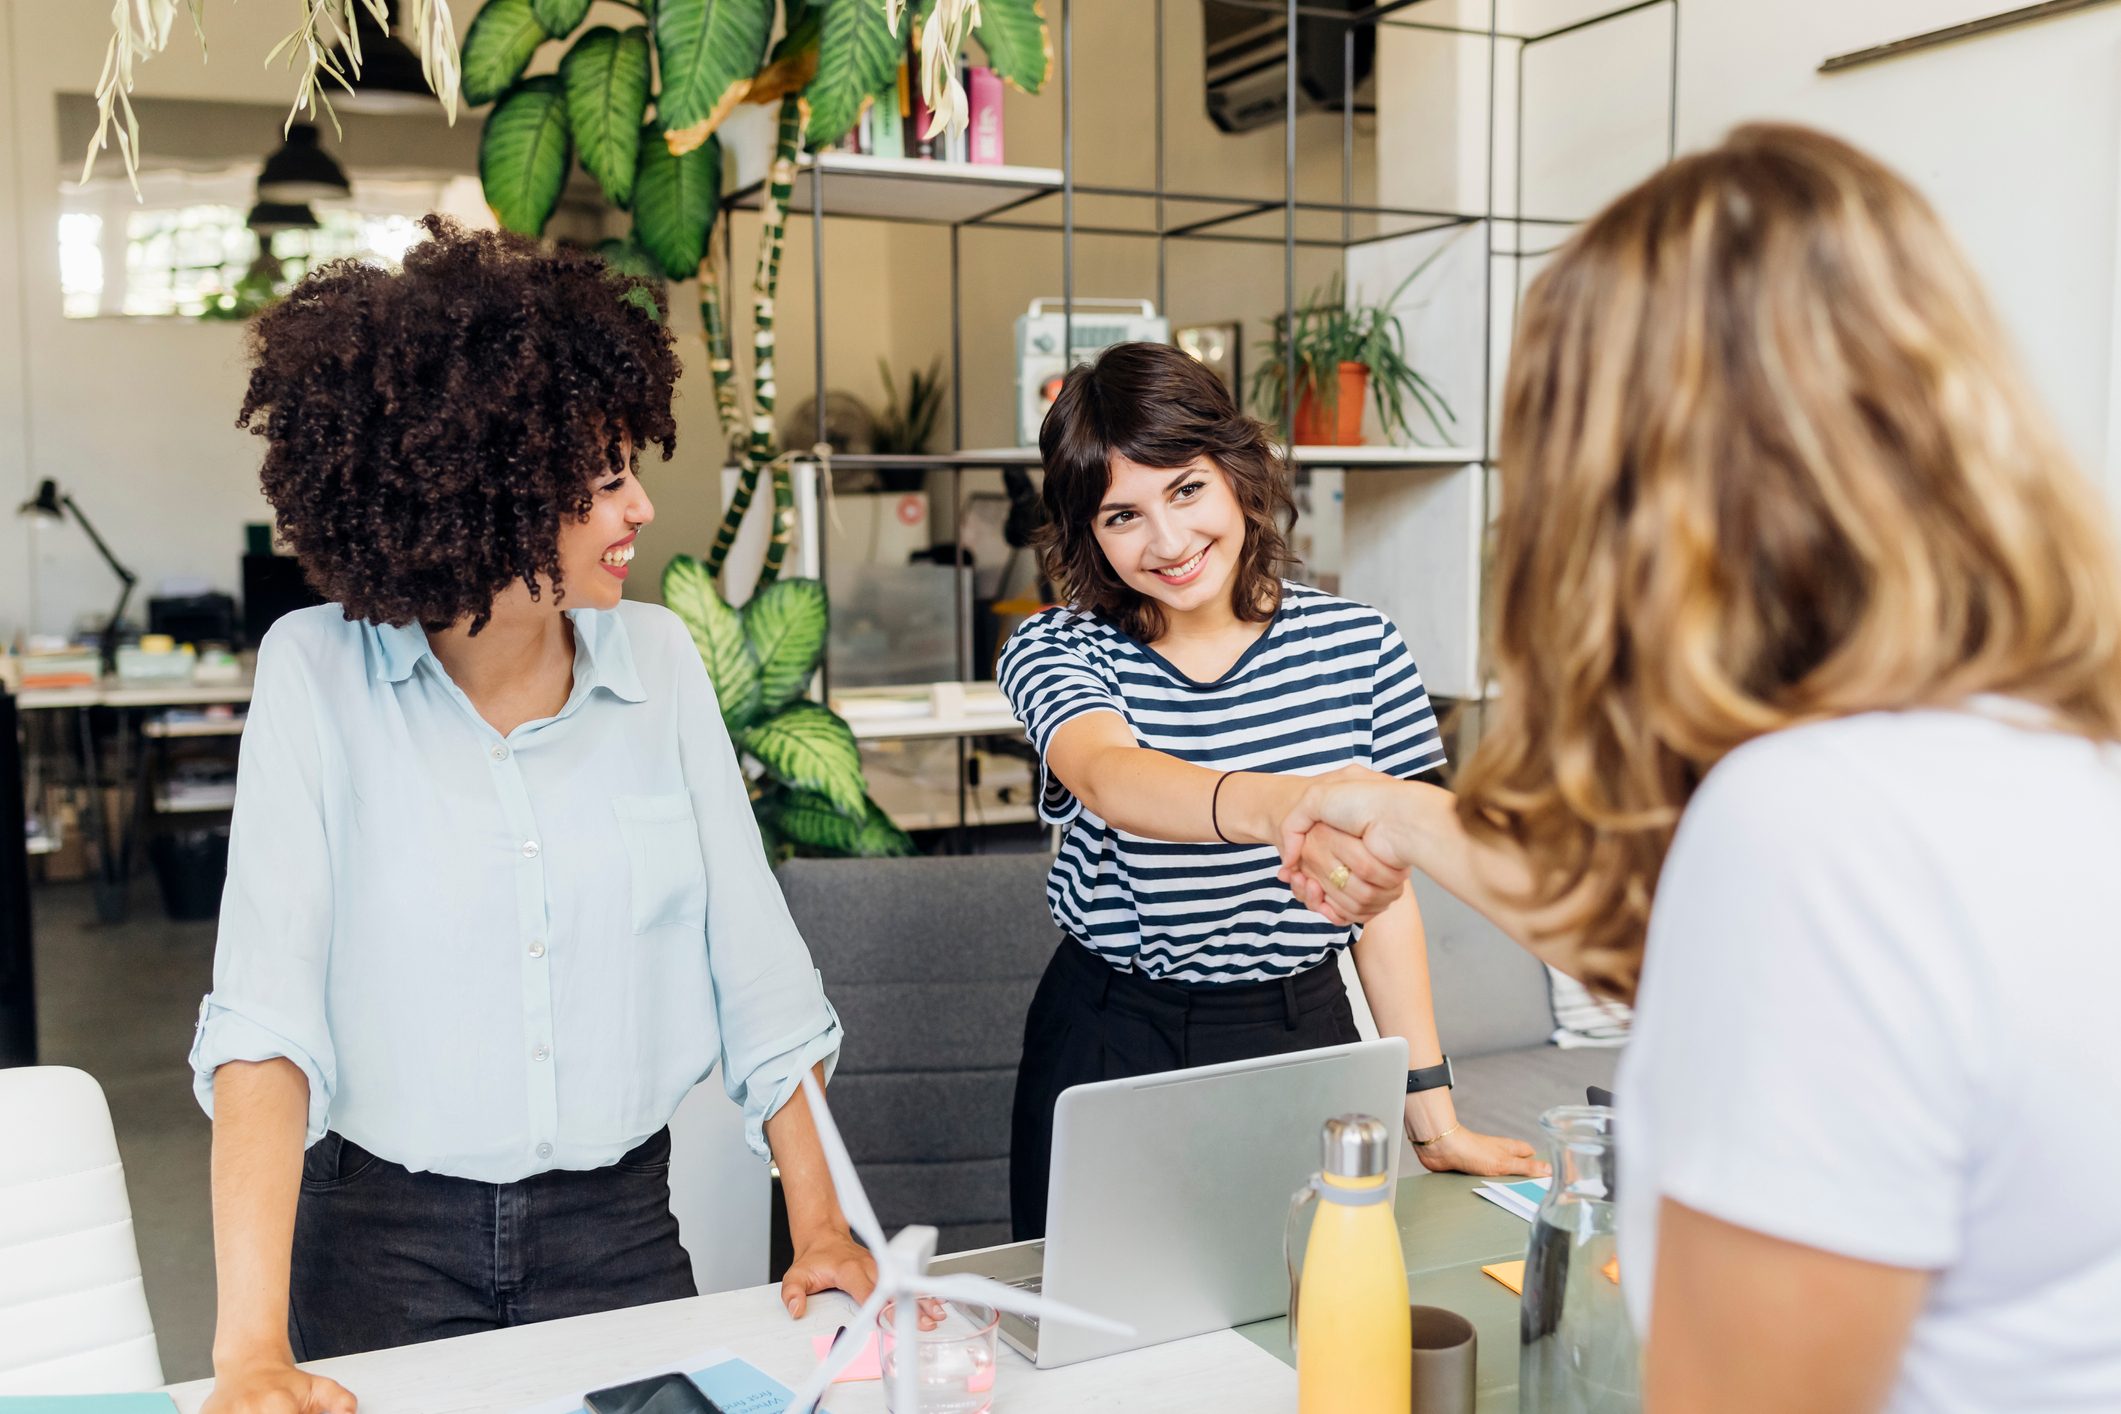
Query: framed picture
x,y
1219,347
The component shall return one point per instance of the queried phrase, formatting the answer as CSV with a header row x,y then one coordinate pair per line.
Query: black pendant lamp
x,y
391,79
269,218
302,171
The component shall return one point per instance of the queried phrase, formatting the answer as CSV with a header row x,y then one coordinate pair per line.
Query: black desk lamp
x,y
48,502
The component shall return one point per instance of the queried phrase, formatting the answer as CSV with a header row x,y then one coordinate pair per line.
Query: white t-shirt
x,y
1878,1016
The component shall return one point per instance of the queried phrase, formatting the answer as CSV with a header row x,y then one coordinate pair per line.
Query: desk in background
x,y
113,875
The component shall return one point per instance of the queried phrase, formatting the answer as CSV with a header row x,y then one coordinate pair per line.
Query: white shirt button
x,y
540,1053
537,947
544,1151
500,753
530,849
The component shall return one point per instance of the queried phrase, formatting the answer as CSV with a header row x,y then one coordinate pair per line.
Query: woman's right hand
x,y
1350,806
276,1386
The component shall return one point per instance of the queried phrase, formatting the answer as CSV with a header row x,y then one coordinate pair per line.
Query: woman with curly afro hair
x,y
495,900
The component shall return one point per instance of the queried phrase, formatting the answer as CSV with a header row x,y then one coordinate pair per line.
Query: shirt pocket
x,y
668,883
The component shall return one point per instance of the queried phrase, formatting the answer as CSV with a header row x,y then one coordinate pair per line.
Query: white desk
x,y
502,1371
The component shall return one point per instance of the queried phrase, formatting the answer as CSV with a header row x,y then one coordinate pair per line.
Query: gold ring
x,y
1338,879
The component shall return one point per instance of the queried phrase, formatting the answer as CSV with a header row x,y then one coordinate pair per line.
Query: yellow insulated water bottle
x,y
1348,1305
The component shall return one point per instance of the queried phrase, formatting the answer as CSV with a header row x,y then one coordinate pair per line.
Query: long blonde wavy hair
x,y
1765,459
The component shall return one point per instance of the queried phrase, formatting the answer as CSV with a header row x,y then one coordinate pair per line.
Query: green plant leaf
x,y
497,48
708,51
605,75
814,825
718,633
625,258
1013,32
785,623
674,201
808,747
560,16
523,155
857,56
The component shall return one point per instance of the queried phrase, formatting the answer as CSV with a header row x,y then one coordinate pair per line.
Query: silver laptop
x,y
1169,1194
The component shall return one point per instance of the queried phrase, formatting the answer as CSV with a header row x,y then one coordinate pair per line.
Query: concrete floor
x,y
119,1002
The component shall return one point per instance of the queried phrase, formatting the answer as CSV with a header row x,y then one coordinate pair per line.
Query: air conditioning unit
x,y
1248,61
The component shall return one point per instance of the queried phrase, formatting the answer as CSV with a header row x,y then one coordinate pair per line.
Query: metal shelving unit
x,y
1053,201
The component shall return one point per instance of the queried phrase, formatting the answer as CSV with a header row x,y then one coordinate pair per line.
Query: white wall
x,y
2016,137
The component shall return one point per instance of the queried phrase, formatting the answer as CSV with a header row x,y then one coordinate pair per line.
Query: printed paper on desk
x,y
1522,1198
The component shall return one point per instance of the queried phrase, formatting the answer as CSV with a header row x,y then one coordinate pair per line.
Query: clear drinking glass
x,y
1578,1354
955,1361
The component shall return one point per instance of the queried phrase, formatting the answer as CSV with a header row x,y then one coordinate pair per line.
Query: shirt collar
x,y
603,654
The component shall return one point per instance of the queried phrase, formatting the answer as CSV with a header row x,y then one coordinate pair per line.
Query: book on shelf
x,y
887,125
983,91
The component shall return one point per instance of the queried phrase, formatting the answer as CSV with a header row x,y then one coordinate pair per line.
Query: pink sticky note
x,y
868,1365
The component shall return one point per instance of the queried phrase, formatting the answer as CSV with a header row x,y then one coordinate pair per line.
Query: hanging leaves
x,y
497,48
559,17
605,76
523,155
674,200
707,51
857,57
1013,32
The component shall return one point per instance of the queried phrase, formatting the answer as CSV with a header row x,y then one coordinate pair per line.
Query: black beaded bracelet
x,y
1215,805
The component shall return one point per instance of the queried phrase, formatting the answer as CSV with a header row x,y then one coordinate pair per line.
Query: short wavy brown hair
x,y
427,428
1158,406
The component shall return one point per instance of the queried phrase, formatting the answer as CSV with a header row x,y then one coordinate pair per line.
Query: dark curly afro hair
x,y
427,429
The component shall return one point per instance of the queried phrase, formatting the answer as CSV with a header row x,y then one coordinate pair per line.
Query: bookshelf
x,y
1415,518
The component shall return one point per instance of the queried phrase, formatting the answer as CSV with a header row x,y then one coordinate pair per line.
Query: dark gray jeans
x,y
386,1257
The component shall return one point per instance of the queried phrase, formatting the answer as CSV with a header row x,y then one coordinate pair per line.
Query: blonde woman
x,y
1808,636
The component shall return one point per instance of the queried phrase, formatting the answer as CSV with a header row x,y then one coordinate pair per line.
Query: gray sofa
x,y
932,962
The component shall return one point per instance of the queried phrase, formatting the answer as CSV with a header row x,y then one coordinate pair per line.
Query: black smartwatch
x,y
1435,1077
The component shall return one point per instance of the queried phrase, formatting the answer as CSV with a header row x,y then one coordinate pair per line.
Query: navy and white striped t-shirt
x,y
1330,683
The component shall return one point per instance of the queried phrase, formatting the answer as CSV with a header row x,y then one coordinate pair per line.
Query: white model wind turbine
x,y
902,1276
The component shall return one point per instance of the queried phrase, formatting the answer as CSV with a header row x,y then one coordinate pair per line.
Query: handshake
x,y
1349,839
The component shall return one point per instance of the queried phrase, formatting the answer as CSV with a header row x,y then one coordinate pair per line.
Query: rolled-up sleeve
x,y
769,1001
272,952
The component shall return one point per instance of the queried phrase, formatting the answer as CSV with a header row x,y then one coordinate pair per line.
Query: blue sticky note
x,y
87,1404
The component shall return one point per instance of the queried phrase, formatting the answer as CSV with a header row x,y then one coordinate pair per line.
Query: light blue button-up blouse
x,y
494,956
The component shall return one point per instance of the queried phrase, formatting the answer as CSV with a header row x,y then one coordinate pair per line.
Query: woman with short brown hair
x,y
1178,704
1808,655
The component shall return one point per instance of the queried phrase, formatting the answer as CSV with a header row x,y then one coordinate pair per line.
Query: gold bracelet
x,y
1425,1143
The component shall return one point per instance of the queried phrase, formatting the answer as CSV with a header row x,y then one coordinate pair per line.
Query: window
x,y
185,248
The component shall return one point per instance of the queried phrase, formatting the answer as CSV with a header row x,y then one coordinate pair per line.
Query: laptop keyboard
x,y
1035,1282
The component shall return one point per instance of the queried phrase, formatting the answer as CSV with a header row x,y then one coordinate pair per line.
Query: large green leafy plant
x,y
806,771
639,109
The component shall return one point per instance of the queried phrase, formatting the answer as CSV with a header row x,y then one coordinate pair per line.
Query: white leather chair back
x,y
73,1315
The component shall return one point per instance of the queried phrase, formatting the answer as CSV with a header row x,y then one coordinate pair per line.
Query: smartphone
x,y
658,1394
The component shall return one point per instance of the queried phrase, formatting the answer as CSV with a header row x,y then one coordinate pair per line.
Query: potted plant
x,y
1340,348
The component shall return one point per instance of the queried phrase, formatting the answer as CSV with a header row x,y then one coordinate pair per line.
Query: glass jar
x,y
1578,1352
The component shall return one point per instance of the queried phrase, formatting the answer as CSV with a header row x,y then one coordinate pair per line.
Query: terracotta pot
x,y
1341,424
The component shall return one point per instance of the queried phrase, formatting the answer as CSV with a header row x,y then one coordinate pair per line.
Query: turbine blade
x,y
966,1286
